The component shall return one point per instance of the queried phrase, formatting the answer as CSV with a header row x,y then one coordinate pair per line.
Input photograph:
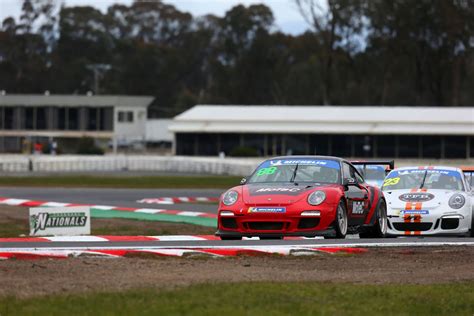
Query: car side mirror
x,y
349,181
243,181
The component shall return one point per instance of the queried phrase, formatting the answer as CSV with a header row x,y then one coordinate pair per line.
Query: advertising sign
x,y
60,221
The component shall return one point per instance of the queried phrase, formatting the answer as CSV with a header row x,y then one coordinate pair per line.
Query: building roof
x,y
73,100
326,119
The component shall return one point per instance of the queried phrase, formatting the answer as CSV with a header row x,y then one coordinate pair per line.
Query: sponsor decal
x,y
428,171
299,162
43,221
314,162
416,197
267,209
358,207
255,190
278,190
60,221
391,181
416,212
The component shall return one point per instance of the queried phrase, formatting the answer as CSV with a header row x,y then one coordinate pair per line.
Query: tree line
x,y
355,52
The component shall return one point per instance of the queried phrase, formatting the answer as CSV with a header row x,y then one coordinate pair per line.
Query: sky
x,y
287,17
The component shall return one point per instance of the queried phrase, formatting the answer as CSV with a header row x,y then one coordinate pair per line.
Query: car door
x,y
356,195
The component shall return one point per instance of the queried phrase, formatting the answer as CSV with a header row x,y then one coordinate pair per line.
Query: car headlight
x,y
316,198
457,201
230,197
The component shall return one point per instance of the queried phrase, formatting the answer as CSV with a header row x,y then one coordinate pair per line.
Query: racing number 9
x,y
264,171
391,181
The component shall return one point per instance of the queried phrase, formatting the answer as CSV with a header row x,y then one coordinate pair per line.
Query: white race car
x,y
428,201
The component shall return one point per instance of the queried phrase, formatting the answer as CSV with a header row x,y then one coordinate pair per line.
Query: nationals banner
x,y
60,221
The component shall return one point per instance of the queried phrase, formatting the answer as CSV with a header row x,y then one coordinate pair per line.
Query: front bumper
x,y
437,222
291,223
310,234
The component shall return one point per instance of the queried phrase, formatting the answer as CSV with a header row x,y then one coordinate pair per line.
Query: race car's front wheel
x,y
379,230
341,222
472,225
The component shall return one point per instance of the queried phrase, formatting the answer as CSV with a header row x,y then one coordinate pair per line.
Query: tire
x,y
231,238
472,225
379,230
341,222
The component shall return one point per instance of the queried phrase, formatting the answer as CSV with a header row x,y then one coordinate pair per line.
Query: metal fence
x,y
10,164
172,164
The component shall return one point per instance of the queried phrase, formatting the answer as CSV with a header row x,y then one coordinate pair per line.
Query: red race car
x,y
303,196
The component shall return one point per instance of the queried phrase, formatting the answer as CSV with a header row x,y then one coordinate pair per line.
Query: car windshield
x,y
427,179
372,172
297,170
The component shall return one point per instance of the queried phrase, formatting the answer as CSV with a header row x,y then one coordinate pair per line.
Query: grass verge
x,y
152,182
259,299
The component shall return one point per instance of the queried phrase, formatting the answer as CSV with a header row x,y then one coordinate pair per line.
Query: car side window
x,y
357,176
346,171
468,184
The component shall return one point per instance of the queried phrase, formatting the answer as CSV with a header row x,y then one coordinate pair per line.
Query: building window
x,y
455,147
41,120
320,145
91,119
386,146
73,119
408,146
106,115
341,145
9,116
125,117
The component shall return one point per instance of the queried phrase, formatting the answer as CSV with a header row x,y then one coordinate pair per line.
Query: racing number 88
x,y
264,171
391,181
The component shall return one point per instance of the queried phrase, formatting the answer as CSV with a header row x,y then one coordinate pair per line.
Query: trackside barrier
x,y
178,164
171,164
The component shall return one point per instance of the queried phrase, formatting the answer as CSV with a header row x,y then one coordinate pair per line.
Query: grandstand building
x,y
345,131
27,119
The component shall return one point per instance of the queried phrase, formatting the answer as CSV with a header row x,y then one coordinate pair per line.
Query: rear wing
x,y
390,164
469,173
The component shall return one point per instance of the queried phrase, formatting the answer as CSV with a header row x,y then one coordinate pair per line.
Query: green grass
x,y
259,299
14,228
123,182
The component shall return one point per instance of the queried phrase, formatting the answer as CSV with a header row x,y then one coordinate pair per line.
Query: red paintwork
x,y
294,204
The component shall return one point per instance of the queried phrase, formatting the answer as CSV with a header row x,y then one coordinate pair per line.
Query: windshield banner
x,y
293,162
398,173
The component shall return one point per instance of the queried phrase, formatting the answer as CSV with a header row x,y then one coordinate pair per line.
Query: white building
x,y
66,118
346,131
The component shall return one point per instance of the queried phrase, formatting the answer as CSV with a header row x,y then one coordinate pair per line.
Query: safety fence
x,y
166,164
162,164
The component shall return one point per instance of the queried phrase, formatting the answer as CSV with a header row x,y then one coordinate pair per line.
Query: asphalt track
x,y
128,198
385,242
116,197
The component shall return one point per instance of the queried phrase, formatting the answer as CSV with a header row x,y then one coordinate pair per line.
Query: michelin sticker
x,y
267,210
283,162
415,212
60,221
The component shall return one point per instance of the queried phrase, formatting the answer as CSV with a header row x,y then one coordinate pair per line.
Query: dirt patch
x,y
14,222
378,266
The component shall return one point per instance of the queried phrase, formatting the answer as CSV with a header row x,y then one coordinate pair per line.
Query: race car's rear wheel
x,y
379,230
341,222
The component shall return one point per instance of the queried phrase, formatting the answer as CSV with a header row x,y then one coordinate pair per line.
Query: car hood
x,y
429,199
276,193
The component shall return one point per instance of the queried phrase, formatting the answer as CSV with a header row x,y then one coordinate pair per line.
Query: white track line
x,y
257,248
